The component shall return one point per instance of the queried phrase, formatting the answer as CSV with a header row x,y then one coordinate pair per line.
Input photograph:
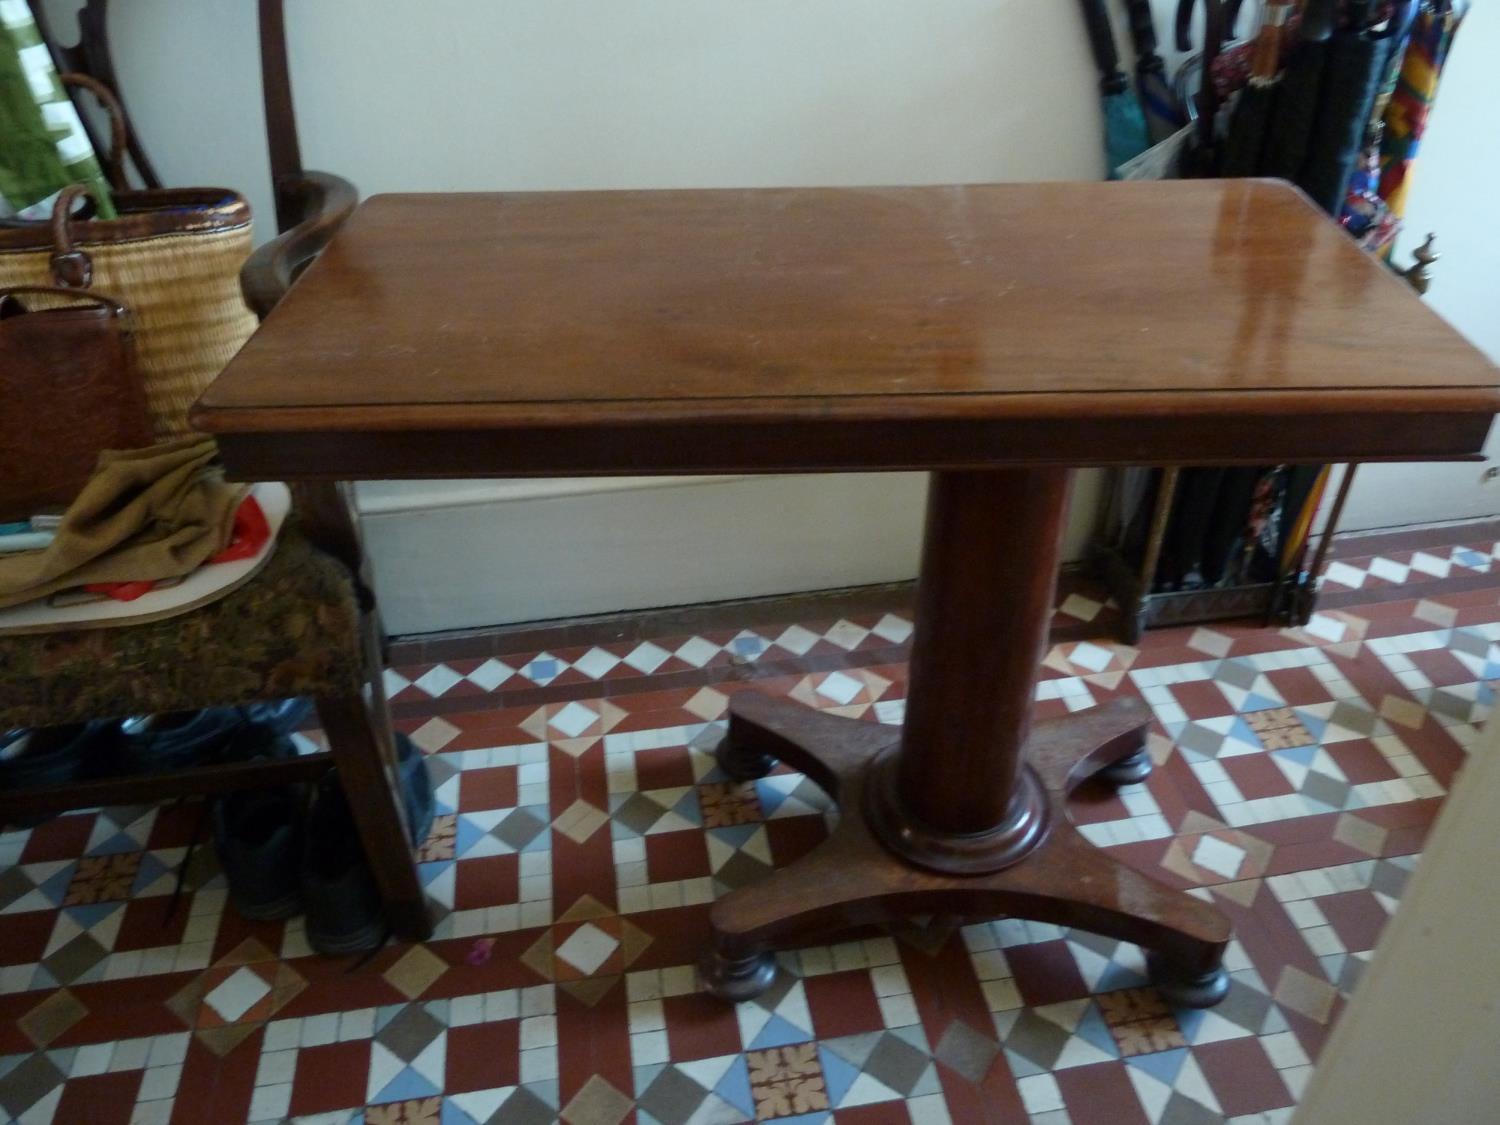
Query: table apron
x,y
845,446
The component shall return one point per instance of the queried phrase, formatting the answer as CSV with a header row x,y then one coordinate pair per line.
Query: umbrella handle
x,y
1317,21
1207,99
1218,25
1102,42
1143,36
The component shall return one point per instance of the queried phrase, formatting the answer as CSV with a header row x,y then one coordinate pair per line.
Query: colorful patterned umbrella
x,y
1411,103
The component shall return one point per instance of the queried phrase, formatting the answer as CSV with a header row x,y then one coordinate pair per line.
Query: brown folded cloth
x,y
145,514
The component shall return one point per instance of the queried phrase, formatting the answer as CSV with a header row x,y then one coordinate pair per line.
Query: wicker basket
x,y
173,258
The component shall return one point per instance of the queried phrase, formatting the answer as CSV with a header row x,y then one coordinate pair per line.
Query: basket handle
x,y
119,135
72,268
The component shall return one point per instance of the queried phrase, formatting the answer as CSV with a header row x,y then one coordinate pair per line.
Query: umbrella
x,y
1163,115
1364,214
1252,112
1220,24
1124,126
1290,128
1351,79
1406,115
1200,156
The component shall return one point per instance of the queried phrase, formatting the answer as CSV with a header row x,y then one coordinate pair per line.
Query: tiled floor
x,y
584,830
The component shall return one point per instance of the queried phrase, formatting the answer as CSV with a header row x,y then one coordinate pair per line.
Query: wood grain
x,y
1028,306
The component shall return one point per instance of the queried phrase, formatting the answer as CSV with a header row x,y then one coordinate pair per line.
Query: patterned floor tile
x,y
583,830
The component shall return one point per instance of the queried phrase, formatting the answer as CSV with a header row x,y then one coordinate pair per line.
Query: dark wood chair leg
x,y
365,753
359,725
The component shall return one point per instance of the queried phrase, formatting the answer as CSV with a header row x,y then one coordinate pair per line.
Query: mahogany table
x,y
996,335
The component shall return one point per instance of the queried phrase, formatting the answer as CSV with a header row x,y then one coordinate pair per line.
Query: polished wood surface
x,y
879,327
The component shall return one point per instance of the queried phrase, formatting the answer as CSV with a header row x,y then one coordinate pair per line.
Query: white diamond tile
x,y
1431,564
894,629
1345,575
1218,856
437,680
647,657
1326,628
839,687
846,635
1085,609
698,651
491,674
573,719
237,994
587,948
796,639
1090,656
596,662
1389,570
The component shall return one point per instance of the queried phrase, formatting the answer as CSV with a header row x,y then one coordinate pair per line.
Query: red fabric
x,y
251,532
121,591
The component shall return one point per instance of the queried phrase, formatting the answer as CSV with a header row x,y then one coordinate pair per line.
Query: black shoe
x,y
33,757
344,911
259,837
282,716
161,743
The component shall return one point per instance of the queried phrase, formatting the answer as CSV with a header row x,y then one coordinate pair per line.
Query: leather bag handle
x,y
71,267
119,136
11,305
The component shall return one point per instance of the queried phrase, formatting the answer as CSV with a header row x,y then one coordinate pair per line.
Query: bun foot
x,y
737,978
1187,989
741,762
1127,771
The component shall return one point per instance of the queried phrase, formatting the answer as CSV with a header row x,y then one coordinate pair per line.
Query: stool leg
x,y
365,753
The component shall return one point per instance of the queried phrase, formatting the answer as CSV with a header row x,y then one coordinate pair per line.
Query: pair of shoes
x,y
161,743
39,756
279,859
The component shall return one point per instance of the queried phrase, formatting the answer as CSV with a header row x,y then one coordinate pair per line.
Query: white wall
x,y
510,94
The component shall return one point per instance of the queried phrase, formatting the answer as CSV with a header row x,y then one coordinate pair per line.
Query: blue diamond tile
x,y
778,1033
1164,1065
839,1074
734,1087
407,1084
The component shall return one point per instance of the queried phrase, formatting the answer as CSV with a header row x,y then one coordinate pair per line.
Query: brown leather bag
x,y
68,389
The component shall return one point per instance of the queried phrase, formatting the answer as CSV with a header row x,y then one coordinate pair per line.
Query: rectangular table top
x,y
865,328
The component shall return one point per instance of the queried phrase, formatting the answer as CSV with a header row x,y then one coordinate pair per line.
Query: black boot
x,y
259,836
344,911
